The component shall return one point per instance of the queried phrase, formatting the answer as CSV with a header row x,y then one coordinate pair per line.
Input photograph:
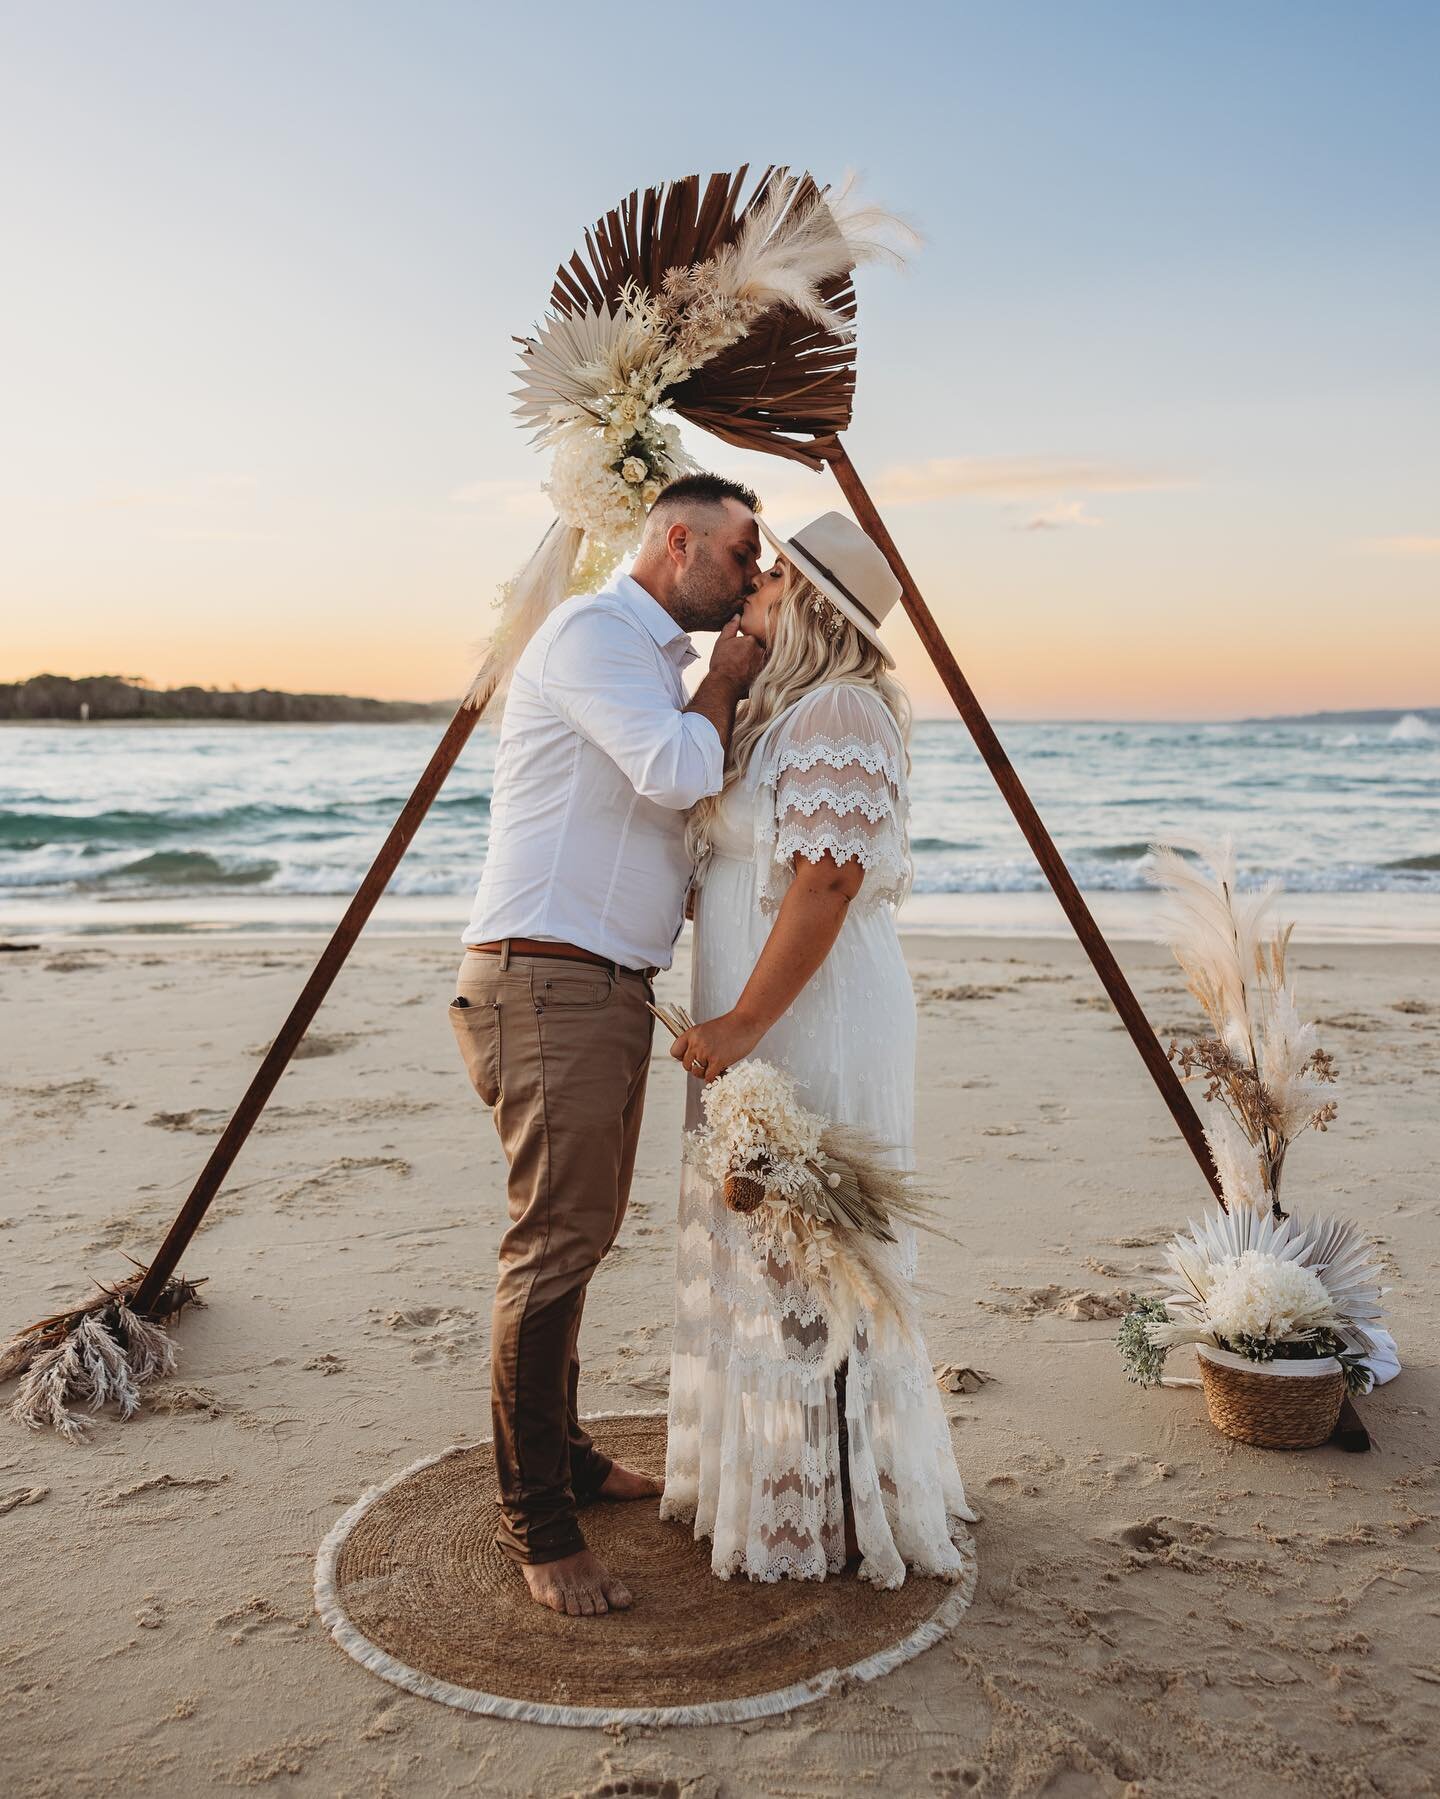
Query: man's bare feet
x,y
630,1483
577,1585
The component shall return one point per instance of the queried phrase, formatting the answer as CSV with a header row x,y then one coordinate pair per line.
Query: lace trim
x,y
872,756
840,800
888,868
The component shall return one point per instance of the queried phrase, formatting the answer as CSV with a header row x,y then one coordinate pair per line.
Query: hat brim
x,y
793,552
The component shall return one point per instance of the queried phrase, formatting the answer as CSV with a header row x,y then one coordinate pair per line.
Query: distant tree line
x,y
100,697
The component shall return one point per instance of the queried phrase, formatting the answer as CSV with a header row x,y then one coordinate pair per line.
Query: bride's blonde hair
x,y
811,643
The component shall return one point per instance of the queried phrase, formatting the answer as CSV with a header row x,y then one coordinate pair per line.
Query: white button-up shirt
x,y
597,765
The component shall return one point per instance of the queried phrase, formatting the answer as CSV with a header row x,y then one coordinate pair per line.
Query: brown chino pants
x,y
560,1050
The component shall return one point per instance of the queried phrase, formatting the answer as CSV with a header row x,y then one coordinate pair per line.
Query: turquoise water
x,y
235,821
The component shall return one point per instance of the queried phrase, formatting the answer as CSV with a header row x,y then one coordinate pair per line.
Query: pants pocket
x,y
477,1031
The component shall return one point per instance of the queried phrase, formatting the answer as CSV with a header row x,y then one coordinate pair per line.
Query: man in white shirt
x,y
579,905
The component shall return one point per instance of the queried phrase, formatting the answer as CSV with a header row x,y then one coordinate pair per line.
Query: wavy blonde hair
x,y
812,643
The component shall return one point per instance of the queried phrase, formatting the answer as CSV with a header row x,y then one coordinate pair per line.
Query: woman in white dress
x,y
790,1453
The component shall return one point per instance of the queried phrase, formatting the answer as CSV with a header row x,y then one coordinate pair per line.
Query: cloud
x,y
1010,479
1061,517
1404,546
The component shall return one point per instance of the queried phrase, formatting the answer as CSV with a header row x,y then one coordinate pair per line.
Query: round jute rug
x,y
411,1585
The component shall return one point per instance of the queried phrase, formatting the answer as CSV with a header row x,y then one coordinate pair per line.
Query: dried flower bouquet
x,y
822,1196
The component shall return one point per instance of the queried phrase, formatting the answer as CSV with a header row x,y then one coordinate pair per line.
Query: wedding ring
x,y
697,1064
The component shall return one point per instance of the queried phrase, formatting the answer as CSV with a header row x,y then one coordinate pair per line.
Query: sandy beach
x,y
1159,1611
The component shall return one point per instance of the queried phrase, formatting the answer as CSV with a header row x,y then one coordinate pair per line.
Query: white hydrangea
x,y
753,1111
606,498
1259,1295
591,495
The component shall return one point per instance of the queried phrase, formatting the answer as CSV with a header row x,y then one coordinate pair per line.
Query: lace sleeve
x,y
834,772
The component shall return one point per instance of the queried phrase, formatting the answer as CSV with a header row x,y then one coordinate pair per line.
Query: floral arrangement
x,y
592,380
819,1195
1260,1060
602,366
1262,1288
1251,1279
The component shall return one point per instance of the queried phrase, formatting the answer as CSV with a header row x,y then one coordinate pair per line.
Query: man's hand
x,y
734,663
736,657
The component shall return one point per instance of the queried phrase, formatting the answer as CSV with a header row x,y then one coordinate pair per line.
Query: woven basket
x,y
1274,1405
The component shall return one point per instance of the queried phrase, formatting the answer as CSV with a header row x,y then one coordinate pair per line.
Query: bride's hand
x,y
706,1051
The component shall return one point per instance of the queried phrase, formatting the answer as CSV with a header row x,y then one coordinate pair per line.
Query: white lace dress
x,y
754,1431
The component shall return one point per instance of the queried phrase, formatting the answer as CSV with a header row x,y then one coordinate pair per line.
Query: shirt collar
x,y
656,620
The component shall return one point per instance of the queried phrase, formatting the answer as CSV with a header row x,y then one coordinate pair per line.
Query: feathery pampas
x,y
92,1354
1261,1061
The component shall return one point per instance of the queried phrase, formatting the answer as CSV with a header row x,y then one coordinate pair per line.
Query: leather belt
x,y
562,952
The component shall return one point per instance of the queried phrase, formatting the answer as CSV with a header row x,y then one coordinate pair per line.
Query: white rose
x,y
650,492
633,469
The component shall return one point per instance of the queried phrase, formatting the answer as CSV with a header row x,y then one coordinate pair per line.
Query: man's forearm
x,y
716,698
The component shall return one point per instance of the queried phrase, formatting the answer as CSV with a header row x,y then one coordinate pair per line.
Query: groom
x,y
578,907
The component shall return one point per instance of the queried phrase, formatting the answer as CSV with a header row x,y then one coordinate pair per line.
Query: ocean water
x,y
121,826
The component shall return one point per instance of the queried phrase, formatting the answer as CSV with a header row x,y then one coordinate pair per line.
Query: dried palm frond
x,y
574,360
785,253
736,312
1332,1248
98,1351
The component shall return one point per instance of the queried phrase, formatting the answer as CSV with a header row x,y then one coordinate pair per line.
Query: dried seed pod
x,y
743,1193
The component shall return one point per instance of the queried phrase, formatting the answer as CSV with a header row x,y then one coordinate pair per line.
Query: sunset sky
x,y
1154,414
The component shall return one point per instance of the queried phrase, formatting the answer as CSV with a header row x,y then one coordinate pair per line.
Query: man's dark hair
x,y
706,490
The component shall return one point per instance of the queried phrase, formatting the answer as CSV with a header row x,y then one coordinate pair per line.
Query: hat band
x,y
830,575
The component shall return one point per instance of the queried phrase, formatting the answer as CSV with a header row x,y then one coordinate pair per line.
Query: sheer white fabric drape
x,y
754,1428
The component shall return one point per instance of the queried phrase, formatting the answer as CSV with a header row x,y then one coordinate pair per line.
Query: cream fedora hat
x,y
848,567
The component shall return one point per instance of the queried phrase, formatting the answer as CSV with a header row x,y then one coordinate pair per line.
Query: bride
x,y
787,1468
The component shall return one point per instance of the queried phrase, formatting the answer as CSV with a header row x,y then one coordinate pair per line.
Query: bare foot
x,y
577,1585
630,1483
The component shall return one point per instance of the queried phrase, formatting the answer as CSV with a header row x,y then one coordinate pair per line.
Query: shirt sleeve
x,y
600,676
836,768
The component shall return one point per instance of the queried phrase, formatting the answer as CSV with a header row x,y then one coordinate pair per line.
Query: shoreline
x,y
1125,917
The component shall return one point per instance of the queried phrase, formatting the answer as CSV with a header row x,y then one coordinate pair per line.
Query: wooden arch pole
x,y
1028,819
447,752
322,977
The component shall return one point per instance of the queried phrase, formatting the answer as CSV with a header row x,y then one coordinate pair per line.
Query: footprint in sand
x,y
443,1332
256,1617
161,1483
18,1496
1059,1302
316,1045
1146,1239
176,1398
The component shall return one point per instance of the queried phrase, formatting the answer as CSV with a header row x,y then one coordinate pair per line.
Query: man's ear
x,y
677,541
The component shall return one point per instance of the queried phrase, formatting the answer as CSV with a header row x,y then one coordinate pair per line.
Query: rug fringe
x,y
529,1711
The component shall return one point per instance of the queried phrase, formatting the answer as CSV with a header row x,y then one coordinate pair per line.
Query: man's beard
x,y
708,596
